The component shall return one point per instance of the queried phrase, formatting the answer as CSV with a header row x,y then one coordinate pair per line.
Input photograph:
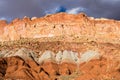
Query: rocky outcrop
x,y
60,47
64,25
22,65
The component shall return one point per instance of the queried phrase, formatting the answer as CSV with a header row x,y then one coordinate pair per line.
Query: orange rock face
x,y
60,47
65,25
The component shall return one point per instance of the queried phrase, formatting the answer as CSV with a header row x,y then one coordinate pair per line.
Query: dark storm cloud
x,y
18,8
10,9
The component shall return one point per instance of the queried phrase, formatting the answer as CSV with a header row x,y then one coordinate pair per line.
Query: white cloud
x,y
6,18
62,9
76,10
3,18
54,10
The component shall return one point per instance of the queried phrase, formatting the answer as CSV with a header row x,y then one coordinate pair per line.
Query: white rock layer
x,y
65,56
89,55
47,55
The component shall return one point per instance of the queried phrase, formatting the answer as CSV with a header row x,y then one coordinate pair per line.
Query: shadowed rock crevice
x,y
3,67
41,69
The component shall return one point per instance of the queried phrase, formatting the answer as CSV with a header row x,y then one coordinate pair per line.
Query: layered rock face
x,y
64,65
60,47
24,64
62,25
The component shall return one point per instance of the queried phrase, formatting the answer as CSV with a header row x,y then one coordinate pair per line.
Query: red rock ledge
x,y
62,25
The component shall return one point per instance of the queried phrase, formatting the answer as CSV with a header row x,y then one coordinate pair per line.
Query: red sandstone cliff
x,y
60,47
62,24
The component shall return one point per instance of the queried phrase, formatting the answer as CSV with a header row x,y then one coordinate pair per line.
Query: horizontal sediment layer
x,y
68,26
59,61
25,64
60,47
59,57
